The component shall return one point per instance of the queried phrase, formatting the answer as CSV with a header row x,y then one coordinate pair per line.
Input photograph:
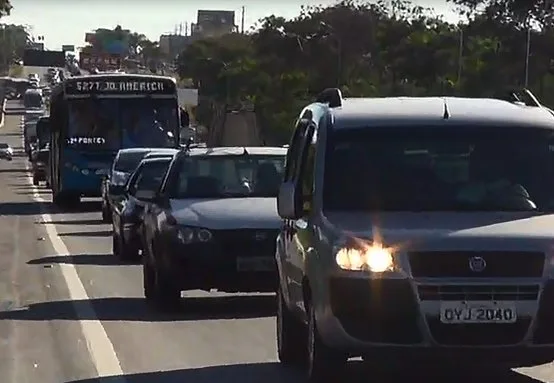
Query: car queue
x,y
443,254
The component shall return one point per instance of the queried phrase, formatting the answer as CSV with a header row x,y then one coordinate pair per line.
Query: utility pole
x,y
243,10
527,54
460,57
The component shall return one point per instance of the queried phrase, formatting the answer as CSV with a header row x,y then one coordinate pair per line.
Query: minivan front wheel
x,y
324,363
291,334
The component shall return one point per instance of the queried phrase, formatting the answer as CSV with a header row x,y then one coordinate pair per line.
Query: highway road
x,y
69,312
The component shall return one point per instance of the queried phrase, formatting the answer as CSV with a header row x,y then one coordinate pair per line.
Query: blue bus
x,y
92,117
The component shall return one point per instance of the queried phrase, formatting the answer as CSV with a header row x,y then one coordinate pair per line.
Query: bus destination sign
x,y
120,86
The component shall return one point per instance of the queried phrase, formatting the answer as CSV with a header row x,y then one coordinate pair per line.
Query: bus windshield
x,y
112,124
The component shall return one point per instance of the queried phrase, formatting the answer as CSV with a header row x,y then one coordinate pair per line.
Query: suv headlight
x,y
187,235
372,257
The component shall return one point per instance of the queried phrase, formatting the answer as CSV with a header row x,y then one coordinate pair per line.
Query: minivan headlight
x,y
371,257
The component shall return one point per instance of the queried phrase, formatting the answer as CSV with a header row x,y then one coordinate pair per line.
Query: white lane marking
x,y
99,345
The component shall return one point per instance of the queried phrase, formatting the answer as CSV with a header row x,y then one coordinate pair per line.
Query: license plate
x,y
255,263
478,312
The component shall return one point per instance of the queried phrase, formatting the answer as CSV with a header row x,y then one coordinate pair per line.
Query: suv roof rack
x,y
521,96
330,96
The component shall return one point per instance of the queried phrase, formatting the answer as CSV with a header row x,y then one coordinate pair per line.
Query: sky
x,y
65,22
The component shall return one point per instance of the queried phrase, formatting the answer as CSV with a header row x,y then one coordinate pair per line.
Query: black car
x,y
213,223
128,211
40,158
125,162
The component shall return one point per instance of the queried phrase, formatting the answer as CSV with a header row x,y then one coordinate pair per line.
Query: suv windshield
x,y
440,169
228,176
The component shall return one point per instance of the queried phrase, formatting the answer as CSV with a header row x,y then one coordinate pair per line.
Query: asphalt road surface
x,y
69,312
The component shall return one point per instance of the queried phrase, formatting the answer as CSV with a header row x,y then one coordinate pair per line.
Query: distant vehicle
x,y
40,165
213,223
92,117
32,99
29,133
6,151
43,131
128,211
125,162
33,77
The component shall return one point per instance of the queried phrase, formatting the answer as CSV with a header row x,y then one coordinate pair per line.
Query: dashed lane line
x,y
99,345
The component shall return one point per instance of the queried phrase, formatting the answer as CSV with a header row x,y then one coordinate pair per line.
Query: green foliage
x,y
5,7
13,41
389,48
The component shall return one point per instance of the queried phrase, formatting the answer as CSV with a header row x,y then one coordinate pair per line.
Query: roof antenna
x,y
189,144
446,114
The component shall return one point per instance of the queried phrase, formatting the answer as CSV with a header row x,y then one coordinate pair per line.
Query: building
x,y
213,23
173,44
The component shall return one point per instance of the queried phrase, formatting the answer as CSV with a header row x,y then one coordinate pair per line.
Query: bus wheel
x,y
66,200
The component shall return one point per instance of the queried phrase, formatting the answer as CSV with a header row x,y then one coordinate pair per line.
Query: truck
x,y
92,117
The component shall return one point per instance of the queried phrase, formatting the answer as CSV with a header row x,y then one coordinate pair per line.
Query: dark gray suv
x,y
417,228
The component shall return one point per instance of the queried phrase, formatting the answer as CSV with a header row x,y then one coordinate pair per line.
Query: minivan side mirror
x,y
287,201
145,195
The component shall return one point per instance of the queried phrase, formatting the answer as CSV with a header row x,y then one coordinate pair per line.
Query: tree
x,y
5,7
389,48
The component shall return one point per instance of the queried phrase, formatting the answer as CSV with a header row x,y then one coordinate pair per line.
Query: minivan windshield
x,y
465,168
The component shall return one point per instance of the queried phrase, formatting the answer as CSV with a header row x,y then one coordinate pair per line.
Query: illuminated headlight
x,y
188,235
374,258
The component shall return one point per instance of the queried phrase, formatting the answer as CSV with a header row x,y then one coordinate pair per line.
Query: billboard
x,y
109,41
68,48
88,61
39,58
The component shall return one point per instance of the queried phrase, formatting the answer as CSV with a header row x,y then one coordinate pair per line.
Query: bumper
x,y
402,316
206,266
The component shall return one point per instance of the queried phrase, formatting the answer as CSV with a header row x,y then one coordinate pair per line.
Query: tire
x,y
126,252
291,335
158,291
64,200
323,363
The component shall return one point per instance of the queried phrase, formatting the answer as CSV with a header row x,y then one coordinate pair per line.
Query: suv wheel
x,y
324,363
291,334
157,289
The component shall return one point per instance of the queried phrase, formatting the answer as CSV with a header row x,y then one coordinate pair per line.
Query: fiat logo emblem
x,y
260,236
477,264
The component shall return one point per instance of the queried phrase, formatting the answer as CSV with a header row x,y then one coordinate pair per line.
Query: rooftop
x,y
409,111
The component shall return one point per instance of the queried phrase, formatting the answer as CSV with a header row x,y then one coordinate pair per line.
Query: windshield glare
x,y
228,176
440,169
128,123
127,162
